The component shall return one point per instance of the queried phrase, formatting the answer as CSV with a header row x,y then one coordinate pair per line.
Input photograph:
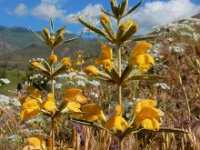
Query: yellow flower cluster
x,y
106,58
33,104
146,115
139,57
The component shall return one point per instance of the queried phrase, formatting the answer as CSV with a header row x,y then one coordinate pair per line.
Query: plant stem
x,y
187,102
121,144
51,140
118,45
51,78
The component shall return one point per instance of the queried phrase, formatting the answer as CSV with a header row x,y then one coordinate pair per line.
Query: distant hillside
x,y
15,38
18,45
22,56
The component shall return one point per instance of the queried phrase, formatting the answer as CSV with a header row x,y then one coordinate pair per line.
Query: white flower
x,y
81,83
94,82
58,85
4,100
5,81
15,102
163,86
13,138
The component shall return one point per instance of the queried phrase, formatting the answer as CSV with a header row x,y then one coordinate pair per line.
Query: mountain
x,y
15,38
18,45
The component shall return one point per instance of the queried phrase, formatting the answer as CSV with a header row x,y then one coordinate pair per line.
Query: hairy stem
x,y
51,139
121,144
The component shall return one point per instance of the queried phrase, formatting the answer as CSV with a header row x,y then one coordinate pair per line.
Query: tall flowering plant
x,y
35,103
145,116
108,68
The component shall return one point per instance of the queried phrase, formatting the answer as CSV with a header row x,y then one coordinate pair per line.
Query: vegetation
x,y
139,93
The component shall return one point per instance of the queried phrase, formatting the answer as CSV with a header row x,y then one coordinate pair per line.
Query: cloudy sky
x,y
35,13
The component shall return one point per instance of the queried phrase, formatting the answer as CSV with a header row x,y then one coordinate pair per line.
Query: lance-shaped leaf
x,y
40,66
105,12
60,30
94,29
37,35
146,77
115,77
105,22
130,31
51,24
89,123
133,8
114,7
141,38
131,130
126,72
123,7
70,40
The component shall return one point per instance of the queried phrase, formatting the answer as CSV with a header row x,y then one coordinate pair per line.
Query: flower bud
x,y
91,71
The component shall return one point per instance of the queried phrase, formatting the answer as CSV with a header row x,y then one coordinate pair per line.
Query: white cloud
x,y
21,9
48,9
160,13
90,13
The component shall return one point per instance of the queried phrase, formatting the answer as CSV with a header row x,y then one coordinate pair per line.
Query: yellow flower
x,y
29,108
93,112
66,62
107,64
46,33
104,18
146,115
141,58
75,95
116,122
126,25
145,62
79,55
105,58
35,64
50,104
73,107
140,48
37,142
53,59
91,71
106,54
34,92
78,63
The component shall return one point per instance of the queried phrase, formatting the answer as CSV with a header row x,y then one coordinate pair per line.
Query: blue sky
x,y
35,13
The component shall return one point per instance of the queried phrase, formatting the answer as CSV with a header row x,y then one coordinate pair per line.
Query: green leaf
x,y
162,129
59,30
70,40
126,72
105,12
130,31
133,8
88,123
114,7
140,38
123,6
51,24
146,77
109,30
114,75
37,35
96,30
131,130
